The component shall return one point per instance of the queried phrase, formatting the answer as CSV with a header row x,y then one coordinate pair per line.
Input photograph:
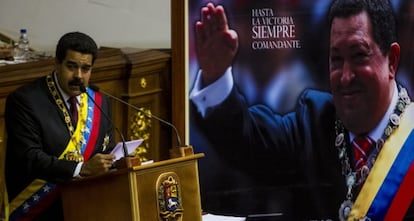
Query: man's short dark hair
x,y
76,41
380,12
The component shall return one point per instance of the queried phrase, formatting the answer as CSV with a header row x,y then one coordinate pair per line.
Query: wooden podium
x,y
151,192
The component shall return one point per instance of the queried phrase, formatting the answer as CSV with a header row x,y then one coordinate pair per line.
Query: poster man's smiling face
x,y
361,76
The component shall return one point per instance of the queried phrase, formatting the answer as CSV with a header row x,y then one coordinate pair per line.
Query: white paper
x,y
211,217
130,145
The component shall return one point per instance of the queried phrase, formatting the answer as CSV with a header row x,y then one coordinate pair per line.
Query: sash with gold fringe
x,y
40,194
387,193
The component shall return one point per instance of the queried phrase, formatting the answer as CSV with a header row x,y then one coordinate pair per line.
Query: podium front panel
x,y
138,194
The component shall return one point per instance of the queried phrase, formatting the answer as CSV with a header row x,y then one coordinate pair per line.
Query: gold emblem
x,y
141,128
105,142
74,156
50,83
169,197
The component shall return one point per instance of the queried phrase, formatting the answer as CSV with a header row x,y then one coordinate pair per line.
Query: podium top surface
x,y
162,163
169,161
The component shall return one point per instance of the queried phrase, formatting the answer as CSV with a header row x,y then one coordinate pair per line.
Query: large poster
x,y
283,49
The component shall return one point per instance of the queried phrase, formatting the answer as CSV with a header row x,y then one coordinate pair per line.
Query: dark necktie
x,y
362,146
73,109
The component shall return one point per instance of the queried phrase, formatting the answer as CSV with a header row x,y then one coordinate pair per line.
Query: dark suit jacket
x,y
37,135
294,152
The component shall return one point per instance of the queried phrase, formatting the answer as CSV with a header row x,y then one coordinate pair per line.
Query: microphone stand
x,y
179,151
127,161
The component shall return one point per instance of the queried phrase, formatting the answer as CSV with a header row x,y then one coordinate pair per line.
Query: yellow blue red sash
x,y
388,191
39,194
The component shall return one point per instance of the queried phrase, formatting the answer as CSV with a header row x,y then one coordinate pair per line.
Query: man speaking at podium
x,y
55,132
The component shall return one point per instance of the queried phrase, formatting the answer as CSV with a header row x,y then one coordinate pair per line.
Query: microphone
x,y
124,148
96,88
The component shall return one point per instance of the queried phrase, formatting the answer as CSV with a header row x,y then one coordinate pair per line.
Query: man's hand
x,y
99,163
216,44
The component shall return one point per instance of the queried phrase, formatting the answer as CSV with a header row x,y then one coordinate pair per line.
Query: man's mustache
x,y
75,82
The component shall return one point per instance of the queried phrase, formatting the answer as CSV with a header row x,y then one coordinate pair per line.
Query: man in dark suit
x,y
55,132
315,150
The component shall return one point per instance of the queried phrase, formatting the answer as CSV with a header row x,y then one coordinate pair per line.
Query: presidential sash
x,y
40,194
387,193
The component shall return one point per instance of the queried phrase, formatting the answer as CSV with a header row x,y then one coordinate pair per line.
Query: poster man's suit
x,y
296,152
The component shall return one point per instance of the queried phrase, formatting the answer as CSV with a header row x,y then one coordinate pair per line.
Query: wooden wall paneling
x,y
148,87
109,74
118,109
178,75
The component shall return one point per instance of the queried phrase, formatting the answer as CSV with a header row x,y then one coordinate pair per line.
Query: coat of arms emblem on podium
x,y
169,197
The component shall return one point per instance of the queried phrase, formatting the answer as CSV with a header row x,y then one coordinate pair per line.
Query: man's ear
x,y
394,59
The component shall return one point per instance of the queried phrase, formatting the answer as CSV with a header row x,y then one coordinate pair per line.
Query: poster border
x,y
179,64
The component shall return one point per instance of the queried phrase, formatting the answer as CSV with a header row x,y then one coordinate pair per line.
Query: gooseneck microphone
x,y
124,148
95,88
